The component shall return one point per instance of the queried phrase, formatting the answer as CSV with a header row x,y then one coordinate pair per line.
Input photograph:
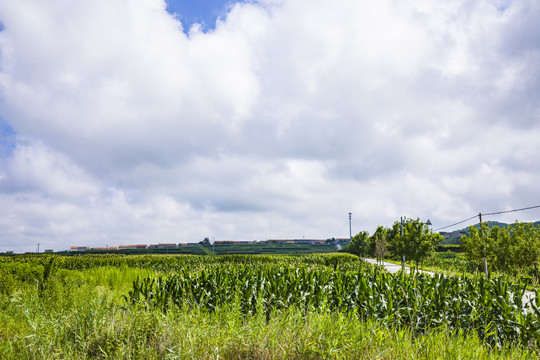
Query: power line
x,y
509,211
461,222
487,214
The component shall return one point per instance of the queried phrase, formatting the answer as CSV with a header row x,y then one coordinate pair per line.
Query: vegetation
x,y
205,248
491,308
271,307
514,249
360,244
410,239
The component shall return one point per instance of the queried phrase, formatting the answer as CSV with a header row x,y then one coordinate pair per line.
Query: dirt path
x,y
394,268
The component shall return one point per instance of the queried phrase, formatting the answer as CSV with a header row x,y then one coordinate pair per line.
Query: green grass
x,y
97,328
456,264
79,314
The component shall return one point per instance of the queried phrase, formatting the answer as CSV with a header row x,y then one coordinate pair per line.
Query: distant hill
x,y
455,239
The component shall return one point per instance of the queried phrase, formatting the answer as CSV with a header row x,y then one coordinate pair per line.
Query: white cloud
x,y
33,168
281,120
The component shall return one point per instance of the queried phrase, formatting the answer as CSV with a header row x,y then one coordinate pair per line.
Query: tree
x,y
525,238
412,240
482,245
205,242
359,244
380,243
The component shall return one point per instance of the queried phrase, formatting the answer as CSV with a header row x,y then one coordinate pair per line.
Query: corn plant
x,y
491,307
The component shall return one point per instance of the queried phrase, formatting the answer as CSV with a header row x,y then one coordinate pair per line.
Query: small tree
x,y
415,241
525,238
359,244
482,245
205,242
380,247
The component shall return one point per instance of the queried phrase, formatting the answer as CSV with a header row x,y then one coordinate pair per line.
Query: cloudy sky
x,y
145,121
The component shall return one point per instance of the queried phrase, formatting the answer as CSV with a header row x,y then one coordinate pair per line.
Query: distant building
x,y
343,241
133,247
79,248
231,242
297,241
281,241
162,246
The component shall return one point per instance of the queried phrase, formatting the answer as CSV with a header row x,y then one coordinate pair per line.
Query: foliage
x,y
450,261
511,249
317,306
360,244
379,239
449,247
413,240
91,326
492,308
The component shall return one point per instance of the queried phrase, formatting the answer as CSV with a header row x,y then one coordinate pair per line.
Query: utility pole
x,y
402,254
484,245
350,228
38,248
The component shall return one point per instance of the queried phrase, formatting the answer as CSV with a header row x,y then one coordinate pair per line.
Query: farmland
x,y
254,306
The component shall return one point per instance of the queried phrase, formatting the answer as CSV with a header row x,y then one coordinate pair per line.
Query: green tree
x,y
359,244
205,242
512,249
413,240
525,238
380,243
482,244
501,248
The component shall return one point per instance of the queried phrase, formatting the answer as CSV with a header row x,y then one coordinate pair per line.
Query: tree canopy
x,y
413,239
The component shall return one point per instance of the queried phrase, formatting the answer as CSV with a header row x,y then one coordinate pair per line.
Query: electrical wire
x,y
461,222
509,211
488,214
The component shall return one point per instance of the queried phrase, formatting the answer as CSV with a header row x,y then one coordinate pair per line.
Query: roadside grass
x,y
95,327
79,314
451,264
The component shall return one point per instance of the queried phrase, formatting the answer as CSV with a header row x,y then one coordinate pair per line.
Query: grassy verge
x,y
96,328
452,264
79,314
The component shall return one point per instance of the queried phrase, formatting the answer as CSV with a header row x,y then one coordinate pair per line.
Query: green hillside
x,y
465,231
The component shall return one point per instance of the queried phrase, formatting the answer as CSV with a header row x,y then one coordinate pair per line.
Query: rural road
x,y
394,268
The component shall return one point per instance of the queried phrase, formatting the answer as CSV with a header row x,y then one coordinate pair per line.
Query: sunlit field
x,y
266,307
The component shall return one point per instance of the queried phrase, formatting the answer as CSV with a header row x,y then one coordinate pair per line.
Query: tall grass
x,y
78,314
491,307
94,327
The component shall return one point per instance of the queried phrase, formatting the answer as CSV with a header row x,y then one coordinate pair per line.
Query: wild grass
x,y
94,327
78,314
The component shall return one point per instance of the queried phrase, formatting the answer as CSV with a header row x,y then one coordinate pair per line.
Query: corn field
x,y
492,308
252,286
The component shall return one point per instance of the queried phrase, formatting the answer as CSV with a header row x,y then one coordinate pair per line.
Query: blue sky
x,y
7,139
7,134
204,12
